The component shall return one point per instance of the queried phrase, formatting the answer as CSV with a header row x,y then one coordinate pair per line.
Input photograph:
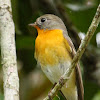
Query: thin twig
x,y
78,55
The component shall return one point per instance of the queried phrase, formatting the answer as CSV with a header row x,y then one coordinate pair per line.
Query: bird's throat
x,y
49,47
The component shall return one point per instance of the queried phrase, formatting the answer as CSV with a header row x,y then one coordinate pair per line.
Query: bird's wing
x,y
79,81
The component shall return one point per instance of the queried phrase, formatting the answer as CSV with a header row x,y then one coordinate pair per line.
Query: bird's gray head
x,y
49,21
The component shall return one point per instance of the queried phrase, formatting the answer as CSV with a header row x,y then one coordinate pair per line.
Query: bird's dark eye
x,y
43,19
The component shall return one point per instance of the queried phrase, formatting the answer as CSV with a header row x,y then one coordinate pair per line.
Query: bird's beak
x,y
33,24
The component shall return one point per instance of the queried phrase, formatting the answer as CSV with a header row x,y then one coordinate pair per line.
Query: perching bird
x,y
54,52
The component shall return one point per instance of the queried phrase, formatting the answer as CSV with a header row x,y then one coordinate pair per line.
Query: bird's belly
x,y
55,72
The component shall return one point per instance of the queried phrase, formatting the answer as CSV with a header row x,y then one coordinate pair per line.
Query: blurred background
x,y
77,16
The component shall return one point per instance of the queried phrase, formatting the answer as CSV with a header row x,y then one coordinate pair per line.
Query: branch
x,y
78,55
8,52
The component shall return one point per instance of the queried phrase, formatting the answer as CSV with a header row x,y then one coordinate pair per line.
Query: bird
x,y
54,51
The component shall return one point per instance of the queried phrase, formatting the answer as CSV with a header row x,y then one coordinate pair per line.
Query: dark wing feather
x,y
79,82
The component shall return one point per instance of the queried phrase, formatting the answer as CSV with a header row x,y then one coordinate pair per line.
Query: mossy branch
x,y
78,55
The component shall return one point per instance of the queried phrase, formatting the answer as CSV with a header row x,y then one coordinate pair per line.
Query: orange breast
x,y
50,48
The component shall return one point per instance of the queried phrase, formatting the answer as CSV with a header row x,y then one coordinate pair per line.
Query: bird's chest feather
x,y
50,48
